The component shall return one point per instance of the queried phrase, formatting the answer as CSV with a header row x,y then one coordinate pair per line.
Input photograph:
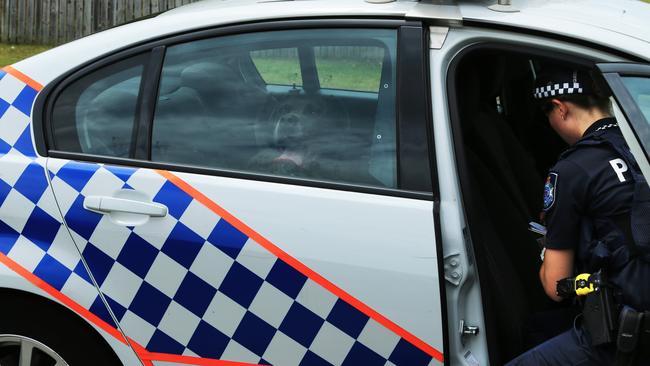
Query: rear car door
x,y
258,196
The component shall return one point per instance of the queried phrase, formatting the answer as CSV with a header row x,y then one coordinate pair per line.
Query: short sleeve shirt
x,y
590,181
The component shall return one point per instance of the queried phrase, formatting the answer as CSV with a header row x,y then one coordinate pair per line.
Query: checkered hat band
x,y
554,90
219,307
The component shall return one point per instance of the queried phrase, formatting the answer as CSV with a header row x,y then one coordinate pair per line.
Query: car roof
x,y
620,24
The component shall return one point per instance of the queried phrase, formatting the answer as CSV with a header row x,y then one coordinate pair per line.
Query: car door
x,y
224,217
630,84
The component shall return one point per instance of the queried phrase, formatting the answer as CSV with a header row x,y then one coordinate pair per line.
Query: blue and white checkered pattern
x,y
192,284
32,233
189,283
553,90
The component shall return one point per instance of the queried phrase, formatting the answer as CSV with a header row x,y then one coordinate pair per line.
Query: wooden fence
x,y
58,21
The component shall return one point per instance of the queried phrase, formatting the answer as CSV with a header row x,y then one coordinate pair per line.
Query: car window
x,y
214,111
278,66
96,113
639,88
349,67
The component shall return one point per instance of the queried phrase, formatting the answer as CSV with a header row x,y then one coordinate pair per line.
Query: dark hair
x,y
587,101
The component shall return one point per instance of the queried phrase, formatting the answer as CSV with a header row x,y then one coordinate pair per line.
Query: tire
x,y
27,318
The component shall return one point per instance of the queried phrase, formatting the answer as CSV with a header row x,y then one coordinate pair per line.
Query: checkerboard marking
x,y
145,306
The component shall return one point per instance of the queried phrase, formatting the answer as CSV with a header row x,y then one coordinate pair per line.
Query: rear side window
x,y
96,113
281,104
278,66
349,67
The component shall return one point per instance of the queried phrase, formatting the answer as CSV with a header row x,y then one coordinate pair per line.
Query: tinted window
x,y
639,88
233,103
349,67
278,66
96,113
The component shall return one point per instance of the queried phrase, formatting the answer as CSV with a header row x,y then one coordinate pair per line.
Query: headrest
x,y
208,76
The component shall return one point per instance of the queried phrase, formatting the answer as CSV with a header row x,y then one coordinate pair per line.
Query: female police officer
x,y
595,221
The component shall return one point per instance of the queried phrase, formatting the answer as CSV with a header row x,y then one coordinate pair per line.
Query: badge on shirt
x,y
549,191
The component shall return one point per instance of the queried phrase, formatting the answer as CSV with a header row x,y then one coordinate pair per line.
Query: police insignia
x,y
549,191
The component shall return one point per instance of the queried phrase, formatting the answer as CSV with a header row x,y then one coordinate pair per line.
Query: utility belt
x,y
606,319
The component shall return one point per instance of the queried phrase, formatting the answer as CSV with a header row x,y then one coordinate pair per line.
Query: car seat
x,y
179,124
501,191
232,105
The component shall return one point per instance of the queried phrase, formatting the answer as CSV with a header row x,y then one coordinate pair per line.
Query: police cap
x,y
559,82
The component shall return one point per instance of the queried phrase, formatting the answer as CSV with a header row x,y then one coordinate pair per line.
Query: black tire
x,y
53,325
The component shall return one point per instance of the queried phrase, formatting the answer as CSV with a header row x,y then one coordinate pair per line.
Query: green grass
x,y
10,54
333,73
281,70
349,74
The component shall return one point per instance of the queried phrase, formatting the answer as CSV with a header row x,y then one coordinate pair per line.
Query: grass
x,y
333,73
10,54
344,74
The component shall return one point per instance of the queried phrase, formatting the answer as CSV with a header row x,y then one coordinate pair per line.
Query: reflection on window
x,y
222,105
278,66
349,67
640,89
96,114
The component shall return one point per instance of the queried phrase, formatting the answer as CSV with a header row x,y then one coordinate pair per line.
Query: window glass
x,y
96,113
349,67
278,66
222,105
639,87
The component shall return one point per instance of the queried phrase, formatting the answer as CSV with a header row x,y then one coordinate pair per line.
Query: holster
x,y
600,315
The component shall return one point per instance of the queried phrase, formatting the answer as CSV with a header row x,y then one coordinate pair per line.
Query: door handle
x,y
106,204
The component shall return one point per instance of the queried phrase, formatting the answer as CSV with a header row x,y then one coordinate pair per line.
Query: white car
x,y
294,183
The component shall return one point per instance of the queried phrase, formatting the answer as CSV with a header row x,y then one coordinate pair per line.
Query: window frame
x,y
408,97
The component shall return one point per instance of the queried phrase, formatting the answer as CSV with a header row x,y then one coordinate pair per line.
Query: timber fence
x,y
54,22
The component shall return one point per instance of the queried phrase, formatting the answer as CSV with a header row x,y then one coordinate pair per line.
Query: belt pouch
x,y
630,323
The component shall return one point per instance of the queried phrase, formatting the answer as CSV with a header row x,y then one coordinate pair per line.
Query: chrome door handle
x,y
106,204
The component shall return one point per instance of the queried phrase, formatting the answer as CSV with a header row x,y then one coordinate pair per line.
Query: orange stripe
x,y
61,297
24,78
142,353
300,267
166,357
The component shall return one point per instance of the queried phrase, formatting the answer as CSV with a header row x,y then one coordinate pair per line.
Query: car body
x,y
168,188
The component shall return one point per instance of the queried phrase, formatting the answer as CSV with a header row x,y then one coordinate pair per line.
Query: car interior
x,y
504,147
237,121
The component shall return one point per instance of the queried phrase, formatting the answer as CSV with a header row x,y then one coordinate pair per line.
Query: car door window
x,y
279,66
217,109
96,113
639,88
349,67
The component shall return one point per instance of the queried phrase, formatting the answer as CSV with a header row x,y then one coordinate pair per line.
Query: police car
x,y
294,182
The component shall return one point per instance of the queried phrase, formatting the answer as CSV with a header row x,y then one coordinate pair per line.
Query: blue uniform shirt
x,y
591,181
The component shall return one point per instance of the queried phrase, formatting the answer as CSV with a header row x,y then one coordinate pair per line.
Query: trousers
x,y
572,347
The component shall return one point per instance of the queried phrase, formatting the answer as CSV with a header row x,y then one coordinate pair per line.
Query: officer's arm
x,y
558,264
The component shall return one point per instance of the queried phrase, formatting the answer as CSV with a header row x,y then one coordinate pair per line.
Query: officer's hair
x,y
601,103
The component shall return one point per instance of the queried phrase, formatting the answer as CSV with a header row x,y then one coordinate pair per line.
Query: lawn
x,y
10,54
338,74
349,74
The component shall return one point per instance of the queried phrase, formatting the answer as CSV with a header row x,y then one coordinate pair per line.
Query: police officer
x,y
589,197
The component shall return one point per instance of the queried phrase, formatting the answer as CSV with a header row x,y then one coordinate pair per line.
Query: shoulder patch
x,y
549,191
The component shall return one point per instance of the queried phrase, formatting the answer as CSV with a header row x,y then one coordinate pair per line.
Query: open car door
x,y
630,83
